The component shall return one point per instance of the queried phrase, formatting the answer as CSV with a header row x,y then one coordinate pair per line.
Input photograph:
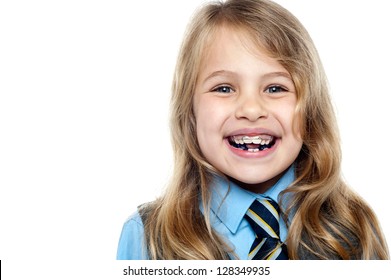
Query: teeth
x,y
247,139
258,140
266,142
253,150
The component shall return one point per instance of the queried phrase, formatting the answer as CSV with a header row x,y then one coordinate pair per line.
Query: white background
x,y
84,139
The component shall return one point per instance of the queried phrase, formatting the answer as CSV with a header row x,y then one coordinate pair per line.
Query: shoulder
x,y
131,243
134,222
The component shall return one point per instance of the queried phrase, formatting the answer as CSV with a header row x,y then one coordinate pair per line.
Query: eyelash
x,y
223,89
276,87
219,89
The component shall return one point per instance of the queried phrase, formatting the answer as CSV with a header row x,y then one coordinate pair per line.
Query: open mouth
x,y
252,143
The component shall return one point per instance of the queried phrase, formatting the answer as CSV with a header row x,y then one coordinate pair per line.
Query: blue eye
x,y
275,89
223,89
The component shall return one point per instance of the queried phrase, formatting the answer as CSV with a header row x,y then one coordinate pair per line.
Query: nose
x,y
251,107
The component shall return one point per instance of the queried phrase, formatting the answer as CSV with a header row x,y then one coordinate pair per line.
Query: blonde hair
x,y
327,220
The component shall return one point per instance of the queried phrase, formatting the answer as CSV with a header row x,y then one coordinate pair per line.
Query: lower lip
x,y
247,154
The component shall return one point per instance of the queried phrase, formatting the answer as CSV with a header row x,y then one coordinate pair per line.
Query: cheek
x,y
287,115
292,128
210,117
202,112
208,113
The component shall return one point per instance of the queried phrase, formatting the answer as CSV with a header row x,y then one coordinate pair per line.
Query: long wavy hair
x,y
327,220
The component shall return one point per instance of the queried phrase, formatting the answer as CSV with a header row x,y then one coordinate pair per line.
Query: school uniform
x,y
228,209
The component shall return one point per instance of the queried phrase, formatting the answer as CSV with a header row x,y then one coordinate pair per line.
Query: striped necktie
x,y
263,216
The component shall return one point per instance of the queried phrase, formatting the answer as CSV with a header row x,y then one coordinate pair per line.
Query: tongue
x,y
252,146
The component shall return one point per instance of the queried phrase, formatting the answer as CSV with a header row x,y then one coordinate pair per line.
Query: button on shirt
x,y
228,208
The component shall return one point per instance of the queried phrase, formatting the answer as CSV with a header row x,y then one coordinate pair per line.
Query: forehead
x,y
229,46
249,39
228,34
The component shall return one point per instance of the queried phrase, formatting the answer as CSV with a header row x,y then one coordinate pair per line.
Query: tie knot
x,y
263,216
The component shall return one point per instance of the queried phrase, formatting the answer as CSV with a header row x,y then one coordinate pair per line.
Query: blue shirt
x,y
228,207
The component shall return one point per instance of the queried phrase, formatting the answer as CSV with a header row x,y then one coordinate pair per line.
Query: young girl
x,y
253,129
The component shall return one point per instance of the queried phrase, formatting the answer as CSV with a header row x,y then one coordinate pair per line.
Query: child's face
x,y
244,105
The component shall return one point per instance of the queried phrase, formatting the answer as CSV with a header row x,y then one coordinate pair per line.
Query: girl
x,y
252,124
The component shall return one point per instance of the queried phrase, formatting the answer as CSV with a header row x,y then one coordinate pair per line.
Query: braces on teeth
x,y
241,142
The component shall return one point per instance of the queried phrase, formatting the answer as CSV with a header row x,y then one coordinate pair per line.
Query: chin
x,y
255,176
256,182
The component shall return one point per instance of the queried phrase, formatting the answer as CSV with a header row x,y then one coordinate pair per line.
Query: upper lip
x,y
252,132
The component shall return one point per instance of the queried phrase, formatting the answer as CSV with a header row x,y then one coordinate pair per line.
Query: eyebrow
x,y
230,73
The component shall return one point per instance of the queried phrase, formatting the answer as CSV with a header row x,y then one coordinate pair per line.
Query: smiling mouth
x,y
252,143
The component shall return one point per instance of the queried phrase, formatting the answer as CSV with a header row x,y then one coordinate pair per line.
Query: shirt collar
x,y
230,202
